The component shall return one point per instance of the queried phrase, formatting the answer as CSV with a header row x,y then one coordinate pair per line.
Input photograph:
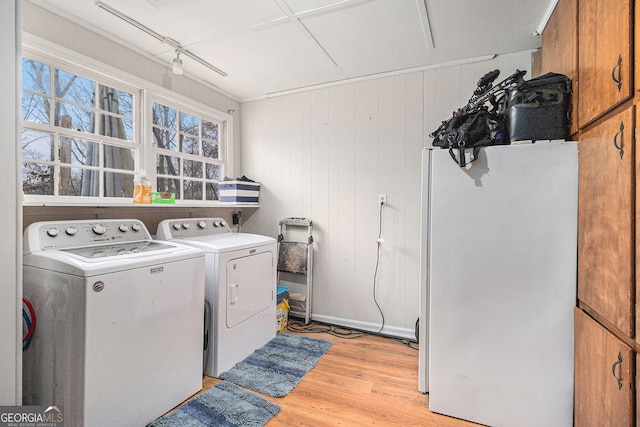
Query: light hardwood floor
x,y
366,381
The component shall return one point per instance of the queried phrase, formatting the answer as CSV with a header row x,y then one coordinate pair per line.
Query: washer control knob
x,y
185,225
202,224
99,229
135,226
216,224
124,228
71,231
52,232
176,226
222,223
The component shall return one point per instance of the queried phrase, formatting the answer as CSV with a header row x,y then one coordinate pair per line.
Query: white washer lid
x,y
75,264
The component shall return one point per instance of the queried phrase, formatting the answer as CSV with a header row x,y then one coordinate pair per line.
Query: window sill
x,y
127,203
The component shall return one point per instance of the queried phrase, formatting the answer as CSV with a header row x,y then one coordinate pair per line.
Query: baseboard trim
x,y
393,331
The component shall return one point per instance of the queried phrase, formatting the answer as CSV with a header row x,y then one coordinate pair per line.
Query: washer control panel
x,y
67,234
191,227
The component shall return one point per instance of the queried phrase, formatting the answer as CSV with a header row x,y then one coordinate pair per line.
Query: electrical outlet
x,y
382,200
235,218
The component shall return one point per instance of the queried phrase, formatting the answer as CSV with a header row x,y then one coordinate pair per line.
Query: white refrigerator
x,y
498,284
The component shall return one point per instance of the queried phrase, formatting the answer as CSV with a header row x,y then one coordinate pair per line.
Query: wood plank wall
x,y
327,153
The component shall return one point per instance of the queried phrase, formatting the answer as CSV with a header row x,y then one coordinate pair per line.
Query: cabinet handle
x,y
613,73
615,140
618,364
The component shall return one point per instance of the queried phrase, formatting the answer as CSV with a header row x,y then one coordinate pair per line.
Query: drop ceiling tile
x,y
372,37
190,21
272,54
301,6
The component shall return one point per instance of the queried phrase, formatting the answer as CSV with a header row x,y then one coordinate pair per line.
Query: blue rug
x,y
277,367
224,405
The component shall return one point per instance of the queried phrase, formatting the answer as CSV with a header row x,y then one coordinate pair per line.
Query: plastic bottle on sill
x,y
142,188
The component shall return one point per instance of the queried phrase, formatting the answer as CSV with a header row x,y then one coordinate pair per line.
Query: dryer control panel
x,y
69,234
191,227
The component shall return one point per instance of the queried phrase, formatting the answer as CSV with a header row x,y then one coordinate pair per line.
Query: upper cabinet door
x,y
560,49
605,56
605,220
636,30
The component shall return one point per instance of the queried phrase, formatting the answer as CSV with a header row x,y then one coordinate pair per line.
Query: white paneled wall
x,y
326,154
10,248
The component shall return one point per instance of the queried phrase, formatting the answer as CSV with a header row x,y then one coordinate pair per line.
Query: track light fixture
x,y
177,62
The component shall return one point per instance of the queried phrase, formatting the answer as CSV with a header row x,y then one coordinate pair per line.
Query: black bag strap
x,y
461,154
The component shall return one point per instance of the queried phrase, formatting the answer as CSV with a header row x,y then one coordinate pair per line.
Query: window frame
x,y
59,132
203,114
146,92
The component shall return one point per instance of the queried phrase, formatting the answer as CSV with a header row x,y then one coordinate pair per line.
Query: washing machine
x,y
240,286
118,339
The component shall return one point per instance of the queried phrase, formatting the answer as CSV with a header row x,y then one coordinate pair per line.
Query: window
x,y
85,133
79,134
187,152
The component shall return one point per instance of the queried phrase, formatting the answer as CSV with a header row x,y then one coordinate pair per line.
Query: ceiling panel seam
x,y
426,25
284,7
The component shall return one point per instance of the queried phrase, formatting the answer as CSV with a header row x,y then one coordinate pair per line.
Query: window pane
x,y
189,144
213,171
35,108
209,130
56,161
212,191
37,145
192,169
116,127
189,124
73,117
164,116
169,185
37,179
118,184
119,158
164,139
71,181
210,149
74,88
168,165
36,77
116,101
79,152
192,190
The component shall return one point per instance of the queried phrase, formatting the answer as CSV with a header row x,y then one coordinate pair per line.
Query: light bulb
x,y
177,66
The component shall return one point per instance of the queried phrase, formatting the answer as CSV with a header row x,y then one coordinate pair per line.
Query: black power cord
x,y
375,274
342,332
349,333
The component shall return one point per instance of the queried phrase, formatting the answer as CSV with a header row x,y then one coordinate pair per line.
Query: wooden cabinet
x,y
604,376
607,322
605,56
605,220
636,52
637,242
560,49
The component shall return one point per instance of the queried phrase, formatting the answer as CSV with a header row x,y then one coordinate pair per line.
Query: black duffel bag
x,y
465,132
540,108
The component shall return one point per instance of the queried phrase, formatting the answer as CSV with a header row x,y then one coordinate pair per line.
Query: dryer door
x,y
250,287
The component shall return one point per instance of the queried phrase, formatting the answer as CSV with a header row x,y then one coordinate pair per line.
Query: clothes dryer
x,y
118,340
240,286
